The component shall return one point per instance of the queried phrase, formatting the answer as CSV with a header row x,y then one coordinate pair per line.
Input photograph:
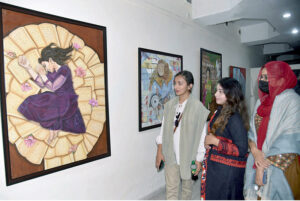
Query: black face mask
x,y
263,86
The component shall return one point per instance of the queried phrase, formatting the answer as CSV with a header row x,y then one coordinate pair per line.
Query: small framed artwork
x,y
54,98
156,75
297,87
239,74
210,74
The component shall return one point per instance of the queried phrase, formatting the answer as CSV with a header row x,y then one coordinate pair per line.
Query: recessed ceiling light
x,y
295,31
286,15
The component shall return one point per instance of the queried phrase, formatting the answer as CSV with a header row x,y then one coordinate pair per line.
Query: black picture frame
x,y
151,82
209,62
297,87
89,43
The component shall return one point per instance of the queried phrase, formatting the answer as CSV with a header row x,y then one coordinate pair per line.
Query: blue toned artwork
x,y
157,75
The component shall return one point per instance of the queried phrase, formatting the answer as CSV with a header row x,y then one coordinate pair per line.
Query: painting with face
x,y
55,103
210,73
157,71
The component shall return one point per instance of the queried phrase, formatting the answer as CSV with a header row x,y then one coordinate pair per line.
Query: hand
x,y
41,70
159,157
24,62
259,158
210,139
207,146
259,176
198,167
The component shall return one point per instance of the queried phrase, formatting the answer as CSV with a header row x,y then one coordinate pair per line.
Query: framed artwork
x,y
297,87
210,74
156,75
240,75
54,98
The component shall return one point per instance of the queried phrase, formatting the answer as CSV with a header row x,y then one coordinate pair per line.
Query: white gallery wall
x,y
129,173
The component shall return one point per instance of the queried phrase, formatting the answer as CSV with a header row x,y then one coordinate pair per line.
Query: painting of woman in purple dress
x,y
57,109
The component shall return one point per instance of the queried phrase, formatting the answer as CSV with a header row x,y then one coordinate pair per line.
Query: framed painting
x,y
240,75
156,75
210,74
54,98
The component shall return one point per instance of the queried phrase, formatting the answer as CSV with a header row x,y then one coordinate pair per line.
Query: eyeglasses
x,y
177,119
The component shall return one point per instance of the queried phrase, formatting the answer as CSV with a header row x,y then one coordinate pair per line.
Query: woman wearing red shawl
x,y
274,136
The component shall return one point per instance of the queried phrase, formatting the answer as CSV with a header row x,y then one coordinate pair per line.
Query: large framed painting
x,y
54,97
297,87
156,75
210,74
240,75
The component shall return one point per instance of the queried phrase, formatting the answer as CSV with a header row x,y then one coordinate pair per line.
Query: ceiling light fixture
x,y
295,31
286,15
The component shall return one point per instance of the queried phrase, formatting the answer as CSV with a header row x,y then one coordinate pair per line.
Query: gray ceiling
x,y
257,22
251,22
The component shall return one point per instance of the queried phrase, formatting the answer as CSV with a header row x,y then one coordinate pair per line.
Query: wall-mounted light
x,y
286,15
295,31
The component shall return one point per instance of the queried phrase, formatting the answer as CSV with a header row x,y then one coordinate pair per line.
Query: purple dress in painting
x,y
57,110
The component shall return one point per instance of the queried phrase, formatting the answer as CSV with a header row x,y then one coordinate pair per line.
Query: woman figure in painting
x,y
161,81
178,143
207,89
273,169
58,109
226,145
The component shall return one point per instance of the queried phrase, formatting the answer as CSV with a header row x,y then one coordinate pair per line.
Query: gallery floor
x,y
161,193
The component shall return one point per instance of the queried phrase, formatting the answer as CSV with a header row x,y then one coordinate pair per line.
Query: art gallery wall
x,y
129,173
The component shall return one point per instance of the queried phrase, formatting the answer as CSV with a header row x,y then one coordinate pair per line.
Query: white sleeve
x,y
201,148
159,137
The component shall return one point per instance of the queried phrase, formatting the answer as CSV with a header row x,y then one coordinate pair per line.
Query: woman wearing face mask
x,y
178,143
274,137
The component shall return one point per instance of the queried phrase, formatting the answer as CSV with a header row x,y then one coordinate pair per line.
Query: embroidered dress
x,y
57,110
224,168
281,161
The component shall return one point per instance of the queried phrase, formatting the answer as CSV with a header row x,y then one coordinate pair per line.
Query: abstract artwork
x,y
240,75
156,75
297,87
210,74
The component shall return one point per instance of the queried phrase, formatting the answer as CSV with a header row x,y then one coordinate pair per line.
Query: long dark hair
x,y
59,55
235,103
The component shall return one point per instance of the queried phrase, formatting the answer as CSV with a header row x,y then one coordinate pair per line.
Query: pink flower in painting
x,y
73,148
76,46
11,54
80,72
30,141
93,102
26,87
